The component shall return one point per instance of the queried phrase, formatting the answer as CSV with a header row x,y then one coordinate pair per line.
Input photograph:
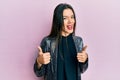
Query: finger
x,y
47,59
47,54
81,59
84,48
47,62
40,50
80,54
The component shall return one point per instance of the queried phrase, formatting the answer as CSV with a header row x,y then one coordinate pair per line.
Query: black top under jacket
x,y
67,60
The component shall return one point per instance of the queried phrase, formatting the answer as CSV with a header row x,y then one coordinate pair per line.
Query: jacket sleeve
x,y
41,71
83,66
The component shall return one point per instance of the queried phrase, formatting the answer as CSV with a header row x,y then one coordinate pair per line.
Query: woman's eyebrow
x,y
68,16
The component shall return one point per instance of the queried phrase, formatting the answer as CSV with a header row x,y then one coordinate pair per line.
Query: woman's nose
x,y
70,20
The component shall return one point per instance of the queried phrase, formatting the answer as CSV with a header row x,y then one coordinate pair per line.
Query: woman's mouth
x,y
69,27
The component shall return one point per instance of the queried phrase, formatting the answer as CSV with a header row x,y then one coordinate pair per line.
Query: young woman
x,y
61,54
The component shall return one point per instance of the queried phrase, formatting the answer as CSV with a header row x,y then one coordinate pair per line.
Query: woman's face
x,y
69,21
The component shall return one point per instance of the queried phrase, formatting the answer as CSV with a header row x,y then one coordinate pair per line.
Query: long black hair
x,y
58,23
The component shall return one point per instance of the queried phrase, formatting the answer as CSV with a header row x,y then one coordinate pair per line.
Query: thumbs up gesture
x,y
43,58
82,56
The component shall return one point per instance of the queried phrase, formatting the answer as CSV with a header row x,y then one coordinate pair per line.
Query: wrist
x,y
38,62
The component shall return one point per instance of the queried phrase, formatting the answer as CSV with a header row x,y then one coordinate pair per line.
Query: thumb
x,y
40,50
84,48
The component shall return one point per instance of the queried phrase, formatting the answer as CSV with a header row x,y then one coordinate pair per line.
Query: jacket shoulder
x,y
77,38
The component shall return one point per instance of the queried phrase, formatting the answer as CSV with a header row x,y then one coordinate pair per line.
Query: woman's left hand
x,y
82,56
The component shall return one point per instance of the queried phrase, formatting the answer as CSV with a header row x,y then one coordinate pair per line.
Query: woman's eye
x,y
72,17
64,18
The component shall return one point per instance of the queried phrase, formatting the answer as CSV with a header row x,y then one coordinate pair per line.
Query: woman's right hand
x,y
43,58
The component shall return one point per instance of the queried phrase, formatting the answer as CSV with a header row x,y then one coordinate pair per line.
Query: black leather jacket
x,y
49,71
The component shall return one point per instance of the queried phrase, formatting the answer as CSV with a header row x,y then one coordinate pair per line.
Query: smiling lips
x,y
69,27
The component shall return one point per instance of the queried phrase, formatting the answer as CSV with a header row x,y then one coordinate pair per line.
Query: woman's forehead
x,y
67,12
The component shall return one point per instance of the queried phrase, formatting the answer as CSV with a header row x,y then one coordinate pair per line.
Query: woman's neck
x,y
65,34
